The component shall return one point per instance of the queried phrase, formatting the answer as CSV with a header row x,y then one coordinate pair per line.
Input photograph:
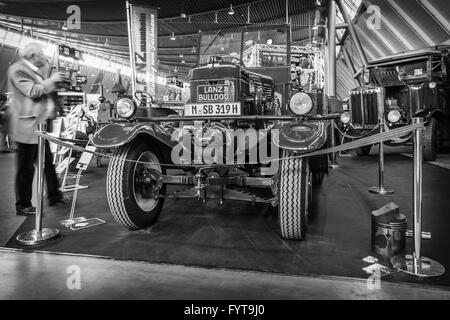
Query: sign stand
x,y
64,164
81,222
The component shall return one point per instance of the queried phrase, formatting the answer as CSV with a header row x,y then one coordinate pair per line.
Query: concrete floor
x,y
46,276
40,275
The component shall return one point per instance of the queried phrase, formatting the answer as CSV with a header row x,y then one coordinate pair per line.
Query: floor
x,y
223,245
50,276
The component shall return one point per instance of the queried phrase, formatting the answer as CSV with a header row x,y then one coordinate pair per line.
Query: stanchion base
x,y
88,223
72,188
33,237
429,269
381,191
67,223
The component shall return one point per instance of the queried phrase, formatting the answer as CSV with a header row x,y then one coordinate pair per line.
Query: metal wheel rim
x,y
153,163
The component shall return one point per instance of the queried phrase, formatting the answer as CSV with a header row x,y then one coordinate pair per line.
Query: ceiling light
x,y
231,11
172,37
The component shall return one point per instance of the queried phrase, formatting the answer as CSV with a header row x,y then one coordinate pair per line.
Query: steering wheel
x,y
139,95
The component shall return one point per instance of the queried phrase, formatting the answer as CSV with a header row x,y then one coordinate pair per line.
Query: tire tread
x,y
292,207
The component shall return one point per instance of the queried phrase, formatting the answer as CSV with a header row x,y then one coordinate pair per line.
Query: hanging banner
x,y
143,34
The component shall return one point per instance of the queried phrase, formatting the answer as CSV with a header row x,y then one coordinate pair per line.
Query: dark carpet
x,y
238,235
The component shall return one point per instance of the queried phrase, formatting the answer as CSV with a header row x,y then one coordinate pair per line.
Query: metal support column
x,y
332,70
332,49
287,11
39,235
131,46
353,34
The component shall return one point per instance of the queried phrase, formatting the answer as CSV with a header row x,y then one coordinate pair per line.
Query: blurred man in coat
x,y
30,105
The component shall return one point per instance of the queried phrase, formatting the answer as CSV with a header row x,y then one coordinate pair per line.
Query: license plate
x,y
213,109
211,93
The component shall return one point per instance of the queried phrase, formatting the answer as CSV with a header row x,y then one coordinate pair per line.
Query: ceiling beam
x,y
369,41
394,30
387,43
237,26
86,47
114,21
57,29
411,23
212,11
427,5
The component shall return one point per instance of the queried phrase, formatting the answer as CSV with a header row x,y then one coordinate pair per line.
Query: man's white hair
x,y
31,49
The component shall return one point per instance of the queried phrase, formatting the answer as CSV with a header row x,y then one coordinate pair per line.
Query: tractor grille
x,y
364,106
267,89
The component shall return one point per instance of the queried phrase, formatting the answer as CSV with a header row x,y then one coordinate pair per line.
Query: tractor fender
x,y
118,134
301,137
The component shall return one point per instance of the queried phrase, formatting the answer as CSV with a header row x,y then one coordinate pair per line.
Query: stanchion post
x,y
334,164
331,79
416,265
381,189
40,179
417,198
39,235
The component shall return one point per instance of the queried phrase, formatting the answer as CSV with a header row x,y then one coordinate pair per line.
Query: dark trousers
x,y
26,158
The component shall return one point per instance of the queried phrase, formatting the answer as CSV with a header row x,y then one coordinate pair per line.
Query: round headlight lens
x,y
345,118
394,116
301,104
432,85
126,108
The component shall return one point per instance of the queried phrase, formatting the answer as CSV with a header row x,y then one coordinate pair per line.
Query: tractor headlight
x,y
301,104
126,108
345,118
394,116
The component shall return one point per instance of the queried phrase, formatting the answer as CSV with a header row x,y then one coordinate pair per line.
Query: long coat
x,y
30,102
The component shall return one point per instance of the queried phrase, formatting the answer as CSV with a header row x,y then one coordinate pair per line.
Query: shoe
x,y
59,200
30,211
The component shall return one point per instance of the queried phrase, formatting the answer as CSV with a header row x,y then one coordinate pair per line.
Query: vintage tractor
x,y
241,131
401,87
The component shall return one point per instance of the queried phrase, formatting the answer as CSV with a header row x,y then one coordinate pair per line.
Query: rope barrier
x,y
346,135
74,140
371,140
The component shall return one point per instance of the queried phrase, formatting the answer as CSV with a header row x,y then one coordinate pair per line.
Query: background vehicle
x,y
229,103
413,84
